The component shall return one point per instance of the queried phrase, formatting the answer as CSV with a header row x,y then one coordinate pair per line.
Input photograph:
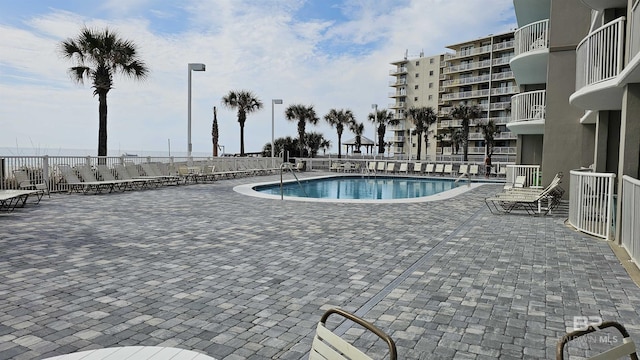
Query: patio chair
x,y
463,170
625,348
428,169
87,175
439,169
11,199
404,167
448,169
531,202
107,174
371,166
417,168
75,184
328,345
391,166
123,174
380,167
473,170
25,183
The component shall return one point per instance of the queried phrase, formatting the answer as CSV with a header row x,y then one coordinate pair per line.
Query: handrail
x,y
288,166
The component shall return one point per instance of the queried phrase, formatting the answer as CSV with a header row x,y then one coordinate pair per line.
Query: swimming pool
x,y
359,188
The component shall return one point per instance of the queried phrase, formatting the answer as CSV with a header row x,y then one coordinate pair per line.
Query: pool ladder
x,y
287,165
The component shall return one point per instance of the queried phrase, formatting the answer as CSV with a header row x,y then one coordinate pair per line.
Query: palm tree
x,y
357,129
314,141
466,114
99,55
489,131
338,119
423,117
280,144
382,118
325,145
303,114
245,102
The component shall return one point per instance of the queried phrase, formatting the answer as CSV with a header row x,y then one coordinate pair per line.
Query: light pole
x,y
375,133
194,67
273,102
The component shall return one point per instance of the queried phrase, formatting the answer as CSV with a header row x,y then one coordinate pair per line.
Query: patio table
x,y
134,353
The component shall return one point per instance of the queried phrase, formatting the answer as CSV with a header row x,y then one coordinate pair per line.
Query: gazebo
x,y
364,141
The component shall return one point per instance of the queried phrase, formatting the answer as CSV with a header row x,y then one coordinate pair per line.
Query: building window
x,y
415,98
430,61
417,63
417,75
430,97
416,87
430,85
430,72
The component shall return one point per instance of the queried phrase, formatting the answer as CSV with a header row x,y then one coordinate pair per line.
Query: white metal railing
x,y
398,82
502,75
505,90
44,169
501,120
599,56
634,42
467,66
466,80
630,217
591,202
502,60
398,93
531,173
465,94
504,45
528,106
472,51
398,70
534,36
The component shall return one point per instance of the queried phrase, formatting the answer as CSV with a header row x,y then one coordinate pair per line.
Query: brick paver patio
x,y
201,267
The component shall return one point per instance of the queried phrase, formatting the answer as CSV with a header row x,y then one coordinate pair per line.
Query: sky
x,y
324,53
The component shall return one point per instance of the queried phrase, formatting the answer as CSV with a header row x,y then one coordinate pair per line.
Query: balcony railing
x,y
443,124
630,217
467,80
473,51
634,42
507,90
399,70
528,106
467,66
599,56
503,45
534,36
397,93
397,105
502,61
591,202
502,76
398,82
466,94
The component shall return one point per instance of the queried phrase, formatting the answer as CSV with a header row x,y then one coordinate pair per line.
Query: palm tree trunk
x,y
339,147
419,145
102,128
242,139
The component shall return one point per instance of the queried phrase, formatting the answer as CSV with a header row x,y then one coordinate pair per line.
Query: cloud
x,y
255,45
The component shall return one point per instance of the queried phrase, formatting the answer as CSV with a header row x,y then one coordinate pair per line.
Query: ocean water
x,y
26,151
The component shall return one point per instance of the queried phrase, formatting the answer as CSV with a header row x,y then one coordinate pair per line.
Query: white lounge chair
x,y
328,345
25,183
380,167
10,199
428,169
404,167
417,168
390,167
448,169
464,169
473,170
371,166
439,169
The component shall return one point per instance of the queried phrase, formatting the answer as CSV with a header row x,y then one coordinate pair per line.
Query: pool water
x,y
360,187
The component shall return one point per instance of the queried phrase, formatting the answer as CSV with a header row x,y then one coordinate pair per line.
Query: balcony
x,y
397,105
507,90
397,94
528,112
398,82
473,51
465,95
467,80
398,71
503,45
444,124
529,11
605,4
502,76
467,66
599,62
531,55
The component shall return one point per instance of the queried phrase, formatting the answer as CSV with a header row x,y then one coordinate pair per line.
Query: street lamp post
x,y
273,102
194,67
375,123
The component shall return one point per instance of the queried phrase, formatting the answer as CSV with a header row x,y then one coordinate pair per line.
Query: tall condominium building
x,y
476,73
416,84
